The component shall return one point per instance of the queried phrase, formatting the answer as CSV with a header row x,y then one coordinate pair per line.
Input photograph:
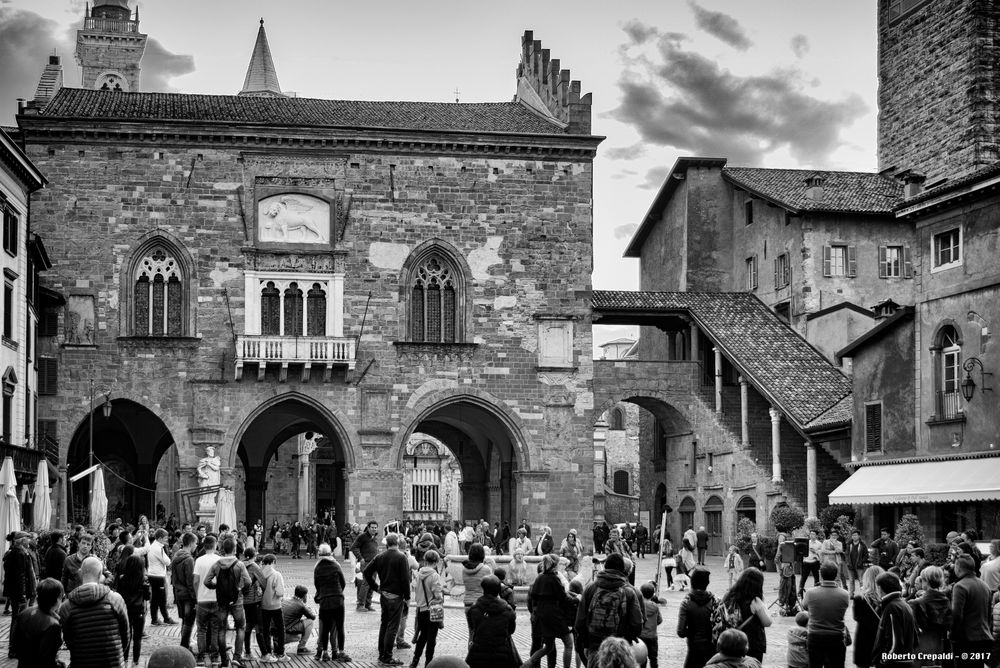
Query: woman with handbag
x,y
133,586
429,603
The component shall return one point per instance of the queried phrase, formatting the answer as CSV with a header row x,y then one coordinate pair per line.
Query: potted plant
x,y
786,519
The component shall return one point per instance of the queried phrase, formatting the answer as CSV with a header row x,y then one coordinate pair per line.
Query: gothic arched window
x,y
270,309
434,301
293,310
316,311
947,369
617,421
159,294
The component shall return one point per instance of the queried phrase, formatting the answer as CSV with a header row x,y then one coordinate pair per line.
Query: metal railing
x,y
294,349
950,405
25,461
110,25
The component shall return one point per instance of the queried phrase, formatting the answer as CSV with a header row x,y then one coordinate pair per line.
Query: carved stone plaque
x,y
80,320
293,218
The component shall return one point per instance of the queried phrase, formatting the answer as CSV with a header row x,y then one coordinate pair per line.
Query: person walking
x,y
427,594
207,608
970,608
19,580
39,633
392,569
827,605
747,598
694,620
491,627
229,578
641,536
810,562
932,611
272,624
701,538
364,549
94,620
897,628
609,607
182,580
134,588
159,561
329,581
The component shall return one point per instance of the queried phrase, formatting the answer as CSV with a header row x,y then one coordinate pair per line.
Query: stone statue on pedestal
x,y
209,475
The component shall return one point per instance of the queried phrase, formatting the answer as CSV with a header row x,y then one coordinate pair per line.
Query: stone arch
x,y
939,331
126,302
335,418
463,297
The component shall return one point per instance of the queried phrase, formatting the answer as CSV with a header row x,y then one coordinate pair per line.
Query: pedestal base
x,y
206,517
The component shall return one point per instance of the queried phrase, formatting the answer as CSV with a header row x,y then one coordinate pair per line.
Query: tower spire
x,y
262,77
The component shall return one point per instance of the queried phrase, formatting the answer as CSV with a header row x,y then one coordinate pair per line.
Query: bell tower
x,y
110,46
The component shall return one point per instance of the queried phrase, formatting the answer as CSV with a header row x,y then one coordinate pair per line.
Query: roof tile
x,y
848,192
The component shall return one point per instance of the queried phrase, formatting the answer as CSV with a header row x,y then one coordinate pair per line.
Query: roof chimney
x,y
814,188
913,183
885,309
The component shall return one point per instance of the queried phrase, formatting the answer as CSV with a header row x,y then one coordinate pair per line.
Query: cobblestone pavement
x,y
362,627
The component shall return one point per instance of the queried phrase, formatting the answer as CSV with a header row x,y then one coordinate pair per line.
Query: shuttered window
x,y
873,427
840,260
895,262
48,376
48,324
621,482
782,271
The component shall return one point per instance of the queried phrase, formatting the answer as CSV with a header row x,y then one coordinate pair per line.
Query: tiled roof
x,y
779,362
848,192
953,185
489,117
841,413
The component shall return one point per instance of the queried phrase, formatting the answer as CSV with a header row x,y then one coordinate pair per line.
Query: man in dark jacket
x,y
856,560
182,568
71,567
364,549
39,635
94,621
694,620
641,536
970,613
897,628
55,558
826,605
702,544
491,625
611,579
393,571
18,580
884,550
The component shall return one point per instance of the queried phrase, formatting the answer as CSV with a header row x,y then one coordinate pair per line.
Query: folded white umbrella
x,y
42,509
98,500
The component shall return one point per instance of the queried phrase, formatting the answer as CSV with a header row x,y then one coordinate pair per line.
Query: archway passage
x,y
130,442
487,455
278,477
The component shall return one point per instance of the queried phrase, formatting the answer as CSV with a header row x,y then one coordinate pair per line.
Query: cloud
x,y
655,177
638,32
626,231
722,26
678,98
27,40
800,45
625,152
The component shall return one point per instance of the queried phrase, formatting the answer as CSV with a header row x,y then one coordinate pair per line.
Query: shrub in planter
x,y
909,529
787,519
936,554
829,515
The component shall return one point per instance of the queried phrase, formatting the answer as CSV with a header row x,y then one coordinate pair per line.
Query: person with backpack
x,y
207,605
609,607
229,578
743,608
491,627
694,620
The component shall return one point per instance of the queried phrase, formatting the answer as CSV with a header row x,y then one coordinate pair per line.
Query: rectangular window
x,y
782,271
895,262
8,310
752,273
8,418
873,427
425,497
48,376
748,212
694,458
10,225
840,260
900,8
946,249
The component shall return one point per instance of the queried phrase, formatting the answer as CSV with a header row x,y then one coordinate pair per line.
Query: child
x,y
518,569
506,591
798,636
653,619
734,564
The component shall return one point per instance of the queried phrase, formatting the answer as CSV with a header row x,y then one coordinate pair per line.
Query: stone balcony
x,y
308,351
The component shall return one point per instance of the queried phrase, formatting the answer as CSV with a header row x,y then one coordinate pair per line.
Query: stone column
x,y
695,355
303,487
810,479
336,312
600,467
744,413
672,346
718,380
775,444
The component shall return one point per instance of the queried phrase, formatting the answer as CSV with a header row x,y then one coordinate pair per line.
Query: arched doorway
x,y
746,507
291,463
487,449
686,512
130,442
713,525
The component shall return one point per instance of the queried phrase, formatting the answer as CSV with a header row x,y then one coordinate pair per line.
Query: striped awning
x,y
922,482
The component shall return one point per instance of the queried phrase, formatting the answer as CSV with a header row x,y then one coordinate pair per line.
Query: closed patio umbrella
x,y
10,507
225,509
42,509
98,500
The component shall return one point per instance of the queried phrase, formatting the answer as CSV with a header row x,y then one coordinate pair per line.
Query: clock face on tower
x,y
111,81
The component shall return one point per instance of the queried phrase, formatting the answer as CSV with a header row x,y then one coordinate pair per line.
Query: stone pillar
x,y
695,353
335,315
600,467
672,346
507,493
775,444
718,380
303,490
810,479
744,413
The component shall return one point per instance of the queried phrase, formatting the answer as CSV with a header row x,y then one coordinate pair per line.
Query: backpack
x,y
227,585
724,617
606,611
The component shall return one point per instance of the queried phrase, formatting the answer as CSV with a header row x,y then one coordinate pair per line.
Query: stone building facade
x,y
260,267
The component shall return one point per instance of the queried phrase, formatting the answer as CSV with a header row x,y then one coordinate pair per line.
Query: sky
x,y
764,83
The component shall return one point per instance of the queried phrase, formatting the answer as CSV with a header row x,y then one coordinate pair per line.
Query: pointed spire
x,y
262,78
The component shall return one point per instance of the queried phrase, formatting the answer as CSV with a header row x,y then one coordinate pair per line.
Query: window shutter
x,y
777,272
907,263
883,268
787,273
873,428
753,278
852,260
827,261
48,324
48,376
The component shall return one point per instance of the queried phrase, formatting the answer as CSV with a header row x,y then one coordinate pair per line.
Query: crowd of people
x,y
93,592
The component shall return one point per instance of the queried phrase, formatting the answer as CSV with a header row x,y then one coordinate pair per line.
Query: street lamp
x,y
105,409
968,385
